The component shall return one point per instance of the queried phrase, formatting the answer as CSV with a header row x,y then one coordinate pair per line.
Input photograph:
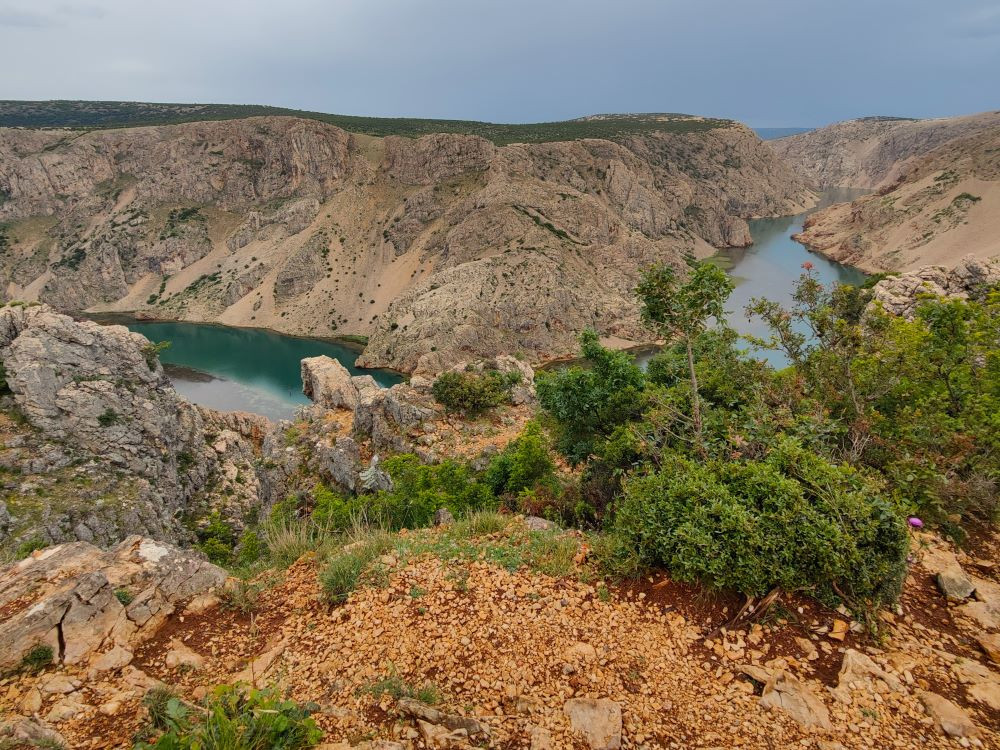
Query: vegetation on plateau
x,y
92,115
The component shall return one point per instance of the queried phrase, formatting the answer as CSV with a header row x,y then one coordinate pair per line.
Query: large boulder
x,y
72,597
329,384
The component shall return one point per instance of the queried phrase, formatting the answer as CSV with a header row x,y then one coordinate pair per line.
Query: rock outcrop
x,y
90,606
970,278
445,247
112,449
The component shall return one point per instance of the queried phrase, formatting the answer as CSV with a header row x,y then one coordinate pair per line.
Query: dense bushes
x,y
588,402
523,465
473,393
793,520
232,718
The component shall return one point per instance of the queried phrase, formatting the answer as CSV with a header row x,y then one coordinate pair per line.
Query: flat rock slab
x,y
599,720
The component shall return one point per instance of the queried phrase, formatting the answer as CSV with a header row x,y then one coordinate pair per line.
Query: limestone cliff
x,y
872,151
941,206
441,248
96,444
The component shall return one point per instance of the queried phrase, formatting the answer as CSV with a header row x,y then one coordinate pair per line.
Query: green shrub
x,y
334,511
37,658
124,596
472,393
421,489
794,521
215,539
108,417
250,548
25,548
523,464
588,403
237,718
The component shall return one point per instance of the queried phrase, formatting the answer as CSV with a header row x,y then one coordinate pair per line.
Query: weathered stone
x,y
534,523
796,698
32,732
955,584
599,720
443,517
952,719
990,643
451,722
116,658
74,608
181,655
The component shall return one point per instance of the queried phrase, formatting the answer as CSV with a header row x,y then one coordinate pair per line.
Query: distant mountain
x,y
872,151
91,115
437,248
770,134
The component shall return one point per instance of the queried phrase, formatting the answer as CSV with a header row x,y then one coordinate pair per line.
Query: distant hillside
x,y
436,248
93,115
943,206
873,151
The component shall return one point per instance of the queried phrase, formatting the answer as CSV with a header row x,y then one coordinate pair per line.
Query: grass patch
x,y
394,686
484,536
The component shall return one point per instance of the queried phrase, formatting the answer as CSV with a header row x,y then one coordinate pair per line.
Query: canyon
x,y
437,249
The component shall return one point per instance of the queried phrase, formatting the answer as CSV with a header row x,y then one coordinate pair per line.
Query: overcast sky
x,y
768,63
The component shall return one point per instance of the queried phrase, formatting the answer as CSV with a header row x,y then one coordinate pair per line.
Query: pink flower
x,y
915,522
807,265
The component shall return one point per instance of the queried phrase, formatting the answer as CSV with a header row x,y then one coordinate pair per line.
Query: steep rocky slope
x,y
449,648
440,248
939,207
97,445
872,151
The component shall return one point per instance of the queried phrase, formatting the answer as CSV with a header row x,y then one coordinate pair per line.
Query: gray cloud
x,y
25,19
770,63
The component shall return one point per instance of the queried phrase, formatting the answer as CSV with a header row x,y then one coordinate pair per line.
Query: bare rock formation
x,y
108,448
872,151
442,249
971,277
939,207
66,597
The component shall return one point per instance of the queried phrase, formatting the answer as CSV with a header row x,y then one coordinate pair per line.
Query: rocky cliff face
x,y
441,248
97,444
970,278
872,151
941,206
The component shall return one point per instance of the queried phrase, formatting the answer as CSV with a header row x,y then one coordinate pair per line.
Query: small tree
x,y
680,309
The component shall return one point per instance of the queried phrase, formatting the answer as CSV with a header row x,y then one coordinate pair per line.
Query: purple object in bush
x,y
915,522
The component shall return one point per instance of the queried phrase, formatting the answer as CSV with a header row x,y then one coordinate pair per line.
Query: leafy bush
x,y
523,464
124,596
588,403
108,417
472,393
794,520
419,490
215,539
234,718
